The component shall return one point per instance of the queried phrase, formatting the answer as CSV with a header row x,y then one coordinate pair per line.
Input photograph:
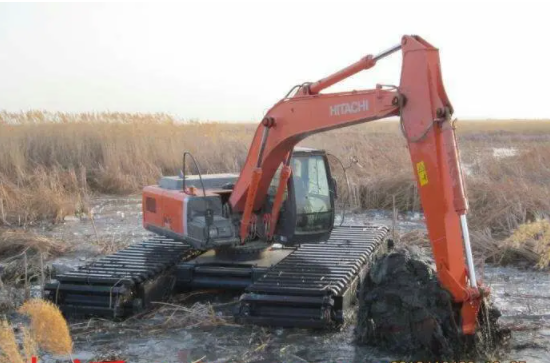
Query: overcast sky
x,y
232,60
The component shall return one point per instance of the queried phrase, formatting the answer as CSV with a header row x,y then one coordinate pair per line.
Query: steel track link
x,y
122,284
315,285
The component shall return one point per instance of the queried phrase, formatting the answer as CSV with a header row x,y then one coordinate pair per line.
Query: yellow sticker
x,y
422,174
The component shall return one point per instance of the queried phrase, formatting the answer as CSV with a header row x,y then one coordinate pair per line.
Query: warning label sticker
x,y
422,174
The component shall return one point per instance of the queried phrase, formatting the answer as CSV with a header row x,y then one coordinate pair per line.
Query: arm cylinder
x,y
468,250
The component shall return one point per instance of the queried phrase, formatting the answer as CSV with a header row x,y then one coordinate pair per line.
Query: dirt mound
x,y
404,309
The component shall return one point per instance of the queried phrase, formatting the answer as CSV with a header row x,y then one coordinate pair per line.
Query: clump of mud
x,y
404,309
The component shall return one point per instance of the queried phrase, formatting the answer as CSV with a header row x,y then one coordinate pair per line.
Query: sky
x,y
232,60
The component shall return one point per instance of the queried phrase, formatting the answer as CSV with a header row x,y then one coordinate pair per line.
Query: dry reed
x,y
30,347
48,327
14,244
17,240
51,162
9,351
531,242
48,330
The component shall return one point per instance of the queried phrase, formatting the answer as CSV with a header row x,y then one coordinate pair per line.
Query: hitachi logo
x,y
350,107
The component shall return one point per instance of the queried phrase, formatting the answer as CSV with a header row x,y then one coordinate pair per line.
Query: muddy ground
x,y
200,326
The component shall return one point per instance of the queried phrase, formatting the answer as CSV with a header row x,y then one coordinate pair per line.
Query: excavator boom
x,y
425,118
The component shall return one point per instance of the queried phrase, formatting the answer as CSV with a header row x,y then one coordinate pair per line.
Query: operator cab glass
x,y
307,213
312,194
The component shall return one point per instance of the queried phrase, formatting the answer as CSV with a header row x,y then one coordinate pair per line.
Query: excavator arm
x,y
424,110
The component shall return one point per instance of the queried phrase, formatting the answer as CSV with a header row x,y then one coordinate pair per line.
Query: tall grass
x,y
9,351
48,170
503,191
19,245
48,327
531,241
48,331
50,163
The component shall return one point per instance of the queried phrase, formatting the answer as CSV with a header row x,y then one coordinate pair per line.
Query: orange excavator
x,y
218,230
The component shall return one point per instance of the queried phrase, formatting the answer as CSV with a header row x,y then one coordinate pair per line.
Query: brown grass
x,y
13,243
528,246
17,241
48,330
30,346
47,170
9,351
530,242
50,163
503,192
48,327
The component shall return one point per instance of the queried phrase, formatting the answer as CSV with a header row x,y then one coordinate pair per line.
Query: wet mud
x,y
404,309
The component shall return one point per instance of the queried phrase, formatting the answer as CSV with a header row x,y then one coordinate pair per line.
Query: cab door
x,y
307,214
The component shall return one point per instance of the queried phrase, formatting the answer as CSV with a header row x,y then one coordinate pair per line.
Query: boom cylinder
x,y
365,63
255,181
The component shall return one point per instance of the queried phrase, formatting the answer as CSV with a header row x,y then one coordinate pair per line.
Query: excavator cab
x,y
197,213
307,213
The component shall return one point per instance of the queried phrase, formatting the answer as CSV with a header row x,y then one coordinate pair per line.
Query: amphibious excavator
x,y
270,229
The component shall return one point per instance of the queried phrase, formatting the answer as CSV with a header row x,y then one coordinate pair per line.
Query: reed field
x,y
52,163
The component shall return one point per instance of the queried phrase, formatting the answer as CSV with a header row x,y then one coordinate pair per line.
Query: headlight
x,y
213,232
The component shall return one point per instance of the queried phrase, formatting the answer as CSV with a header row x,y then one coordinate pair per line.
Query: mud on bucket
x,y
404,309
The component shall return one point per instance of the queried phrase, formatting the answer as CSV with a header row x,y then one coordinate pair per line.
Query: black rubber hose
x,y
207,237
347,184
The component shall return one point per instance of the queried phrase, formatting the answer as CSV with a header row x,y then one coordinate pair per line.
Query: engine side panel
x,y
195,219
164,211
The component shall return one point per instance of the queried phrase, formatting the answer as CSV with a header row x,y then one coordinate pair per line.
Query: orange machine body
x,y
195,208
169,212
164,209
